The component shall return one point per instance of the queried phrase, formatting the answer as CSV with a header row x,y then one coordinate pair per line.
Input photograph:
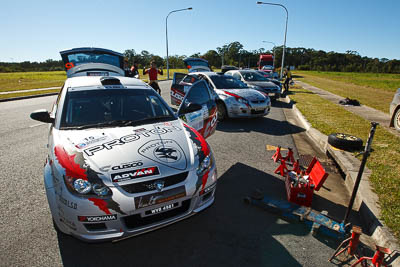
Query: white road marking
x,y
39,124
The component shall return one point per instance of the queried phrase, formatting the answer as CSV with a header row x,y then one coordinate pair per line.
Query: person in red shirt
x,y
153,72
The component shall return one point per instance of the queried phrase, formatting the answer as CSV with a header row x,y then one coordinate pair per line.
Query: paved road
x,y
229,233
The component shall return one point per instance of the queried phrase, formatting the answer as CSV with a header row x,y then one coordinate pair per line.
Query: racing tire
x,y
222,113
396,120
345,141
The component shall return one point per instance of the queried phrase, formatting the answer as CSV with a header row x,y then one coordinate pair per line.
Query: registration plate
x,y
162,209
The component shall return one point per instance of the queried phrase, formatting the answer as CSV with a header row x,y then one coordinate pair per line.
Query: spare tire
x,y
345,141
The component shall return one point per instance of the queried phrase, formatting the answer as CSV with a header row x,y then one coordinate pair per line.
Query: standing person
x,y
288,78
153,71
135,71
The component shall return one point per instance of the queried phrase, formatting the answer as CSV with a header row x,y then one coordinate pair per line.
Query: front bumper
x,y
251,111
68,210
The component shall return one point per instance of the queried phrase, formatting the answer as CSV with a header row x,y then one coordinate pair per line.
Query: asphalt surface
x,y
229,233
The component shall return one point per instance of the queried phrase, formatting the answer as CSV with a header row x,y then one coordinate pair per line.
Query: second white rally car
x,y
120,161
233,97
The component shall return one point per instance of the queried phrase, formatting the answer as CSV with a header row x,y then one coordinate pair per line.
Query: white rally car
x,y
234,98
120,161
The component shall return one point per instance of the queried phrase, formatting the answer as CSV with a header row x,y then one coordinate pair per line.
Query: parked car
x,y
271,78
257,81
395,111
120,161
225,68
234,98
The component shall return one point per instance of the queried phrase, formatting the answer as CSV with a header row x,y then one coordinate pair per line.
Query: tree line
x,y
234,54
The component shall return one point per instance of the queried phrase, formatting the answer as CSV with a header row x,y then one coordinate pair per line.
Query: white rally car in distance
x,y
234,98
120,161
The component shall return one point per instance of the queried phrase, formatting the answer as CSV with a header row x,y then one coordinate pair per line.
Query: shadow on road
x,y
263,125
229,233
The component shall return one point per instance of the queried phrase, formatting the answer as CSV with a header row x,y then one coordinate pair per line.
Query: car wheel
x,y
345,141
222,114
396,120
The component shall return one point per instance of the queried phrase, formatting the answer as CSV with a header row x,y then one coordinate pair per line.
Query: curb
x,y
26,97
366,200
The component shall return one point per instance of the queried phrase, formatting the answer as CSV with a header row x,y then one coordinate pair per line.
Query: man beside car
x,y
153,71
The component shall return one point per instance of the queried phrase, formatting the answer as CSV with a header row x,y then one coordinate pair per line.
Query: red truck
x,y
266,63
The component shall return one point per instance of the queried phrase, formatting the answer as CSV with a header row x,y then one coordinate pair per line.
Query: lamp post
x,y
166,33
284,43
273,50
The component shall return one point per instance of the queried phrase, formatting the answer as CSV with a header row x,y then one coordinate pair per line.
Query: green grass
x,y
20,81
17,81
372,89
384,161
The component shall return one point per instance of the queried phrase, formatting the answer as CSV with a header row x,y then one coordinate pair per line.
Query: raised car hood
x,y
114,153
250,94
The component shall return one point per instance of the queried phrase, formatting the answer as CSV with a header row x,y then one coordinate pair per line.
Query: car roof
x,y
96,83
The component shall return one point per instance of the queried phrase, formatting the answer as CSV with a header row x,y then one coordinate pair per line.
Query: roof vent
x,y
110,81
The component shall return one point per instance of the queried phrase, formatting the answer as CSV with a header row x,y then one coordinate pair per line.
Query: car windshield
x,y
252,76
227,82
110,108
94,57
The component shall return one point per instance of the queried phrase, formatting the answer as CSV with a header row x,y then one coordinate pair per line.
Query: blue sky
x,y
38,30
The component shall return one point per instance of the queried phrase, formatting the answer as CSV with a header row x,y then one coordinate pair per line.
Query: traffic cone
x,y
296,167
289,156
277,156
282,169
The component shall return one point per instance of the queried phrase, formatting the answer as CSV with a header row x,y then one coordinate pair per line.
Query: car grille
x,y
135,221
257,111
258,101
149,185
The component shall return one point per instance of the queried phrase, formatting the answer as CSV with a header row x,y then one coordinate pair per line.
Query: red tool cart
x,y
300,188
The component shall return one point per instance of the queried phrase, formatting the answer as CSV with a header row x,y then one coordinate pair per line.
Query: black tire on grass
x,y
345,141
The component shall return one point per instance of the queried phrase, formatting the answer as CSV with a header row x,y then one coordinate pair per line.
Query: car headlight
x,y
243,101
205,165
84,187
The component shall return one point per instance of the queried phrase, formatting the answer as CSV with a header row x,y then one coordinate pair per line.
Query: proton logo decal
x,y
159,185
167,152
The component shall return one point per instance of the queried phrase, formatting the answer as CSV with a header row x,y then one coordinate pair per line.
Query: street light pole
x,y
273,50
284,43
166,33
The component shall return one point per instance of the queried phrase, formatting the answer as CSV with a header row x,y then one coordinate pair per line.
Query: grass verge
x,y
384,161
372,89
17,81
22,93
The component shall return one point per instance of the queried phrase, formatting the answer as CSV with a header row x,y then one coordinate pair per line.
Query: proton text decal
x,y
130,138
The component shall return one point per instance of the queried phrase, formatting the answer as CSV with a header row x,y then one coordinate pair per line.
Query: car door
x,y
203,120
180,85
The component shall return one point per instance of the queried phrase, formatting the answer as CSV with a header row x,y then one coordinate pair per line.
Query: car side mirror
x,y
42,115
191,107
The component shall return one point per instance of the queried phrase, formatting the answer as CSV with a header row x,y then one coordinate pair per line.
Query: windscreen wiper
x,y
122,123
112,123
